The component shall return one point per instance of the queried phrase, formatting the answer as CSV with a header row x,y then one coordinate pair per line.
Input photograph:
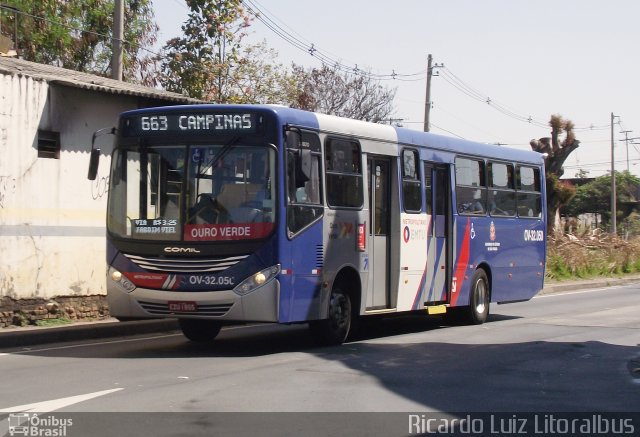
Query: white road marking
x,y
56,404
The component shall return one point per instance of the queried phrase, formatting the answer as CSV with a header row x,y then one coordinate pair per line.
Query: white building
x,y
52,218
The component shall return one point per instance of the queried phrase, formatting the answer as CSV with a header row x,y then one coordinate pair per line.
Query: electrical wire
x,y
302,44
448,76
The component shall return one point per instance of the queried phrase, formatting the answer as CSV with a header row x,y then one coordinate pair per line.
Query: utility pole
x,y
7,45
626,142
118,36
613,184
427,99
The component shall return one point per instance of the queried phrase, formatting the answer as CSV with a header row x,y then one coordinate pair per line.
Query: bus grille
x,y
162,309
184,265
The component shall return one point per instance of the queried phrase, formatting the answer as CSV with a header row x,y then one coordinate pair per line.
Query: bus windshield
x,y
192,192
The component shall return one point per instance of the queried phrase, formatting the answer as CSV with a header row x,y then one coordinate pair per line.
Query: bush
x,y
599,254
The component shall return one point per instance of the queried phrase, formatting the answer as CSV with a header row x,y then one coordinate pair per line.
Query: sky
x,y
505,62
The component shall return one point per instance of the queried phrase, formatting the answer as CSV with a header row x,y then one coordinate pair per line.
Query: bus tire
x,y
200,331
479,299
335,328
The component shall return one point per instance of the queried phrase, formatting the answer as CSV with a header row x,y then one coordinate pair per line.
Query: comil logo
x,y
28,424
181,250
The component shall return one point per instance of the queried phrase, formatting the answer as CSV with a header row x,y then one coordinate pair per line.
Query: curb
x,y
559,287
32,336
113,328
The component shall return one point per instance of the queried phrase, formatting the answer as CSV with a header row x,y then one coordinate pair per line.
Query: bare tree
x,y
557,152
354,95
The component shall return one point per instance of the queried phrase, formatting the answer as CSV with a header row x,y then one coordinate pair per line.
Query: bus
x,y
225,214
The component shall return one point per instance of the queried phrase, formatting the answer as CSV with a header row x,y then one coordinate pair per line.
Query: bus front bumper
x,y
260,305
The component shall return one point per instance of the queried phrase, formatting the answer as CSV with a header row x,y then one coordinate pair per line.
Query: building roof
x,y
62,76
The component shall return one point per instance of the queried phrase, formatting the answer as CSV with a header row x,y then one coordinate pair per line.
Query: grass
x,y
59,321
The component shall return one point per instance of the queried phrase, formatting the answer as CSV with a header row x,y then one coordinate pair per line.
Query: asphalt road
x,y
570,352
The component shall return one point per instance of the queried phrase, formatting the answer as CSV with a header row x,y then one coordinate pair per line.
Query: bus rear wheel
x,y
200,331
479,299
335,328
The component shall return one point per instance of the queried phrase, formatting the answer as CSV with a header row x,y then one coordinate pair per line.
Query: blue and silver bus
x,y
224,214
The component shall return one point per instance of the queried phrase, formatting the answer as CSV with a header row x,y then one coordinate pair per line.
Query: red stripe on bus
x,y
461,266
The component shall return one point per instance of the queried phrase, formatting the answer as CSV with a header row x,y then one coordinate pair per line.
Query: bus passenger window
x,y
529,196
343,173
502,194
471,191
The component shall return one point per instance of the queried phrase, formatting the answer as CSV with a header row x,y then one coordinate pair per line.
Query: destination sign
x,y
190,123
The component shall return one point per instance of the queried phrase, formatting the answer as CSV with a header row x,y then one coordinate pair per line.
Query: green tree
x,y
76,34
595,197
557,151
200,62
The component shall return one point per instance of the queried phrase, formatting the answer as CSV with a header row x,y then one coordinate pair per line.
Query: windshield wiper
x,y
221,154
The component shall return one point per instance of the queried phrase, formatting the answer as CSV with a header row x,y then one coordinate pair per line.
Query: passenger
x,y
477,206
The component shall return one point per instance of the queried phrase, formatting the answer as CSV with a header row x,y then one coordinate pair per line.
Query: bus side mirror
x,y
293,139
305,163
301,157
94,159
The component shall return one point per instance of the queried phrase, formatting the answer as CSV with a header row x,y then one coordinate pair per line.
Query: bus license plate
x,y
183,307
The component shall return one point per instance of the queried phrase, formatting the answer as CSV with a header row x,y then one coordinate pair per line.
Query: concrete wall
x,y
52,219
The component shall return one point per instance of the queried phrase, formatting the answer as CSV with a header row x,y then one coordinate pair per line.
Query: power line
x,y
302,44
182,4
447,131
448,76
598,164
327,58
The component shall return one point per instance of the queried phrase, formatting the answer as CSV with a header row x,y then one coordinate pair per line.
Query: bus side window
x,y
411,190
502,193
343,162
529,196
471,190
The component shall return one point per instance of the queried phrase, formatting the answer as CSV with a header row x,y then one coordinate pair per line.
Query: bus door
x,y
438,193
379,224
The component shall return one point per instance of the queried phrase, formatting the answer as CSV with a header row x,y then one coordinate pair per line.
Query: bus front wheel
x,y
335,328
200,331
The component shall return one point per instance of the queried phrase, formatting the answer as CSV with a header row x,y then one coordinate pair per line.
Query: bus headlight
x,y
121,280
255,281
